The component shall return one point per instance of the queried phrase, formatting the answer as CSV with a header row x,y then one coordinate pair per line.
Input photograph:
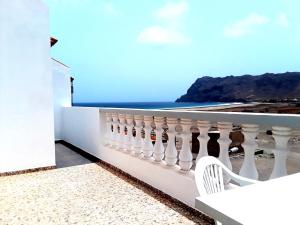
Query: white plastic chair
x,y
209,176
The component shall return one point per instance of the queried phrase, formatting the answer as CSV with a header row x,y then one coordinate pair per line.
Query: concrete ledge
x,y
27,171
169,180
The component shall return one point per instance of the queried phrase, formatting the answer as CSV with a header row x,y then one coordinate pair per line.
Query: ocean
x,y
148,105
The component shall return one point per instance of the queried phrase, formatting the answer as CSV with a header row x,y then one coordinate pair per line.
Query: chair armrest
x,y
242,181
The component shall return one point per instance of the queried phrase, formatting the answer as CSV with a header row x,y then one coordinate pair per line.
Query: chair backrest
x,y
209,175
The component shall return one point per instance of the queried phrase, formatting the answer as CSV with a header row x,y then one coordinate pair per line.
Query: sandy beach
x,y
255,107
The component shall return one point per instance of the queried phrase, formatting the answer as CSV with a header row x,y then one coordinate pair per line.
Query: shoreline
x,y
206,107
251,107
254,107
218,107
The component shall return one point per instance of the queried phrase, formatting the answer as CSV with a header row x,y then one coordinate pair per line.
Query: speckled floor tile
x,y
85,194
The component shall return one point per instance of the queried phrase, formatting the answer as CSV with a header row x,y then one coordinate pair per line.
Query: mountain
x,y
246,88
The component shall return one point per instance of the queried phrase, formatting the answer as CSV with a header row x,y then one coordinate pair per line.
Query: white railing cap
x,y
265,119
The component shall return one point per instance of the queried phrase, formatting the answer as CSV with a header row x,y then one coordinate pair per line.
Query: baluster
x,y
281,136
224,141
203,138
171,151
248,169
115,130
129,137
159,149
108,133
185,155
122,131
147,143
138,138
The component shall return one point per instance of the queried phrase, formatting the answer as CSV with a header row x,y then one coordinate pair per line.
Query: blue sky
x,y
153,50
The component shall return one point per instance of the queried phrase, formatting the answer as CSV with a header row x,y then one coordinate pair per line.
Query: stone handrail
x,y
130,131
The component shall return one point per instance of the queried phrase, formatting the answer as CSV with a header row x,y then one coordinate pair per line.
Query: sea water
x,y
148,105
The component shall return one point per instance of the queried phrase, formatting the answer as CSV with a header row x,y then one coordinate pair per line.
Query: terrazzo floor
x,y
86,194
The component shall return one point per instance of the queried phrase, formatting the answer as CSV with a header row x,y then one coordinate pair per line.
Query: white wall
x,y
26,92
61,94
84,127
80,127
169,180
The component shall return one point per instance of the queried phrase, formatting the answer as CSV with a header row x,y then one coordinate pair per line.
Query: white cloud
x,y
110,8
159,35
172,10
283,20
246,26
169,29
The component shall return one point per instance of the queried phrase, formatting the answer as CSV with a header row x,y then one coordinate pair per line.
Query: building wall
x,y
26,91
84,127
81,127
61,94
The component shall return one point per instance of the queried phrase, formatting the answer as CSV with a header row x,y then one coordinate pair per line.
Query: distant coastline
x,y
253,107
268,87
152,105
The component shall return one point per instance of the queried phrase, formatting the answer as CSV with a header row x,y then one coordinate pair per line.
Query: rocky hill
x,y
246,88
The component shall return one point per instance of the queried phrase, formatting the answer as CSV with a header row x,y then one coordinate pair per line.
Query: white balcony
x,y
122,138
140,152
152,150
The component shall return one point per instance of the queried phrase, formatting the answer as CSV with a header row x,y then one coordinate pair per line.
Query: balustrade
x,y
138,136
224,141
185,155
281,136
203,138
122,134
171,151
248,169
115,130
159,148
119,135
129,140
147,143
108,133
